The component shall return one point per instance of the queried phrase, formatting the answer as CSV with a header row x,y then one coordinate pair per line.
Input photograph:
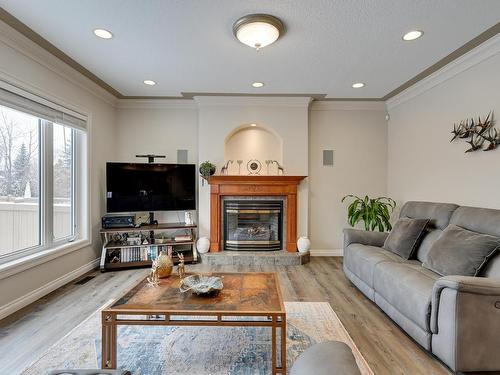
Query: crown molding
x,y
345,105
97,86
20,43
475,56
156,104
253,101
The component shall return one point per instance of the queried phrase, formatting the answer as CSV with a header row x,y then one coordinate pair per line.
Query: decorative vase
x,y
203,245
165,265
303,244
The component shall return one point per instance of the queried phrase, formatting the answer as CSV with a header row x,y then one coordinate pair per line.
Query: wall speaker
x,y
182,156
327,157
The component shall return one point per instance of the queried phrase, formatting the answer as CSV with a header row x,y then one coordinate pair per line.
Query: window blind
x,y
18,99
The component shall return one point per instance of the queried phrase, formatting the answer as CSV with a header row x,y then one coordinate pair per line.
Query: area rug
x,y
149,350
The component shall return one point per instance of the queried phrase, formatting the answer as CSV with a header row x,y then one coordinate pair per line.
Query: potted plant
x,y
374,212
207,169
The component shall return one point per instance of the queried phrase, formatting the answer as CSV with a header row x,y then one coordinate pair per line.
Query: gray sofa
x,y
456,318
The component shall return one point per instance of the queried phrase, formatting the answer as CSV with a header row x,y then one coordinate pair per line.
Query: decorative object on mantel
x,y
207,169
164,265
202,285
374,212
254,166
303,244
280,167
267,165
224,169
203,245
477,132
239,165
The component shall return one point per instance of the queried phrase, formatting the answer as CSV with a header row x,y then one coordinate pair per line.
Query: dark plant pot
x,y
212,172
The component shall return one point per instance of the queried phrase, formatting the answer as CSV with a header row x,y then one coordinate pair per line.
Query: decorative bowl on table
x,y
202,285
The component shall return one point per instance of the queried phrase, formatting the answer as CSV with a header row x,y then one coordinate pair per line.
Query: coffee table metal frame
x,y
112,318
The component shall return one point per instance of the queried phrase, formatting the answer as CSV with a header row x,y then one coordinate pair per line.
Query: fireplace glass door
x,y
253,224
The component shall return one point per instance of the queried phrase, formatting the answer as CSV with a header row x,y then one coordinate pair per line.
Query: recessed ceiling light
x,y
257,84
358,85
258,30
412,35
149,82
253,124
104,34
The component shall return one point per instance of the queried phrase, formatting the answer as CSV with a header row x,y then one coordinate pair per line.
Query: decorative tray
x,y
202,285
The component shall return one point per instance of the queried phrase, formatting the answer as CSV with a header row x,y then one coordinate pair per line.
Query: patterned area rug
x,y
198,351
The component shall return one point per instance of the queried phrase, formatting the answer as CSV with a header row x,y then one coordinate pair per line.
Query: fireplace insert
x,y
253,224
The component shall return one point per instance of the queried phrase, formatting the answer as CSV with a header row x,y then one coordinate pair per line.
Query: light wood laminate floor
x,y
25,335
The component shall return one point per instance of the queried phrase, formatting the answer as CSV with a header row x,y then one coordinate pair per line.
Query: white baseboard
x,y
327,252
38,293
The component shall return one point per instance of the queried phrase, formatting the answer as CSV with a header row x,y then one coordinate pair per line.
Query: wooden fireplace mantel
x,y
285,186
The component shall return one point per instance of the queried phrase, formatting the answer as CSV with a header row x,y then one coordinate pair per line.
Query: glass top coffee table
x,y
248,299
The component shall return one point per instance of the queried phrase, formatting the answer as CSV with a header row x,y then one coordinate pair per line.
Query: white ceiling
x,y
188,45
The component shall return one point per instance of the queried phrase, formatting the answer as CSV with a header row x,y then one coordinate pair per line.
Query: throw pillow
x,y
461,252
406,236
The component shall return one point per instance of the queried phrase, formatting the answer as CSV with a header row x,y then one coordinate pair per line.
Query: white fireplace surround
x,y
285,118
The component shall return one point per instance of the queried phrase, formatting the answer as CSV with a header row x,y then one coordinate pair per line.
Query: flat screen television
x,y
141,187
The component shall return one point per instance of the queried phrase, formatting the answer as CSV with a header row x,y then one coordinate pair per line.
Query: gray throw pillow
x,y
405,236
462,252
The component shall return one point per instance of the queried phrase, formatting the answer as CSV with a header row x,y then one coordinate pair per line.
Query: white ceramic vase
x,y
303,244
203,245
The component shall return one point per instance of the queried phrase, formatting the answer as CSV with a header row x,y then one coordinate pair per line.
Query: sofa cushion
x,y
405,237
480,220
362,259
407,286
462,252
439,215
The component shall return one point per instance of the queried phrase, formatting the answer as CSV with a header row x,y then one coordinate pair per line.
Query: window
x,y
19,181
63,161
42,159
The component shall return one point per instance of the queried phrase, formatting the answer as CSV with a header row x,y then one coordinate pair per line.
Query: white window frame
x,y
50,248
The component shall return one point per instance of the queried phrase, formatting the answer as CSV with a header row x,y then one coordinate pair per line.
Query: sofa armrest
x,y
462,284
465,321
364,237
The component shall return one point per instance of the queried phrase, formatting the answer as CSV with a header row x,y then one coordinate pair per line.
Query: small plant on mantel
x,y
374,212
207,169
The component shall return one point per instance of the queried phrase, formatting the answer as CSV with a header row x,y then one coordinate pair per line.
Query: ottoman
x,y
327,358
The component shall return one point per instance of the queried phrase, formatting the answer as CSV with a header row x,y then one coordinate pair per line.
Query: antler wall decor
x,y
477,133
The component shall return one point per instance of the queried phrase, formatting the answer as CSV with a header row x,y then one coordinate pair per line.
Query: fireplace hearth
x,y
252,224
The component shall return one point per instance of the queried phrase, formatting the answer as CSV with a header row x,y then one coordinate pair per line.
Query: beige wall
x,y
159,127
357,132
23,63
156,127
423,164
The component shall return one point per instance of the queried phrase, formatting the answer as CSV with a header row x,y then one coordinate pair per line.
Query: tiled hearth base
x,y
277,258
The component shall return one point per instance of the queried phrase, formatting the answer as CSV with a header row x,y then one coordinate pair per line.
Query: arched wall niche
x,y
253,141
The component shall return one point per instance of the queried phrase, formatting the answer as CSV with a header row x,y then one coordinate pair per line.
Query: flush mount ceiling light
x,y
257,84
102,33
412,35
149,82
253,125
258,30
358,85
